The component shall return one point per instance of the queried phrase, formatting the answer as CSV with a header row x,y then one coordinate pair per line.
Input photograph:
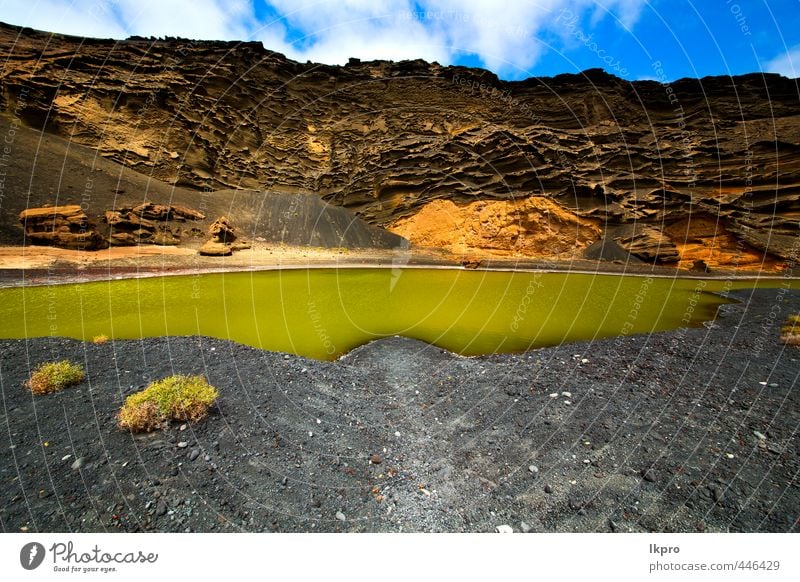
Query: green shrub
x,y
55,376
172,398
790,332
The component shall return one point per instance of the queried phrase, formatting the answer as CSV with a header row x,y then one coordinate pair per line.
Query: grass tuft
x,y
790,331
54,376
177,397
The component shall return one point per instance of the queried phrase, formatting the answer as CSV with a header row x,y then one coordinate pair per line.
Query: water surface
x,y
323,313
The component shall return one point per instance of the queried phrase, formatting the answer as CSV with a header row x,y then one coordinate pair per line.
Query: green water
x,y
323,313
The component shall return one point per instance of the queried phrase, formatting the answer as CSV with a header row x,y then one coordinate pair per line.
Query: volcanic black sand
x,y
691,430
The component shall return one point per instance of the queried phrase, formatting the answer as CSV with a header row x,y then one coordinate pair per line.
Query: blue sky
x,y
515,39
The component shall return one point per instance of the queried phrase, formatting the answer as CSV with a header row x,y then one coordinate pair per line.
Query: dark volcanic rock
x,y
384,139
454,448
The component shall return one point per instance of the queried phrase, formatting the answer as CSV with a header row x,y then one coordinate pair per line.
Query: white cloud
x,y
77,18
787,64
503,36
201,19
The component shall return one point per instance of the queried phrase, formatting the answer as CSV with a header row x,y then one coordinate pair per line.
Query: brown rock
x,y
186,213
375,459
471,263
605,149
222,230
61,226
165,237
148,210
240,245
215,249
648,243
123,239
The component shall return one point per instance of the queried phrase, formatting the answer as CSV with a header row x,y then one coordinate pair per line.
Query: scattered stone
x,y
548,489
566,394
193,454
77,463
340,516
375,459
524,527
716,493
504,529
471,263
649,476
183,444
161,507
222,230
215,249
760,436
533,469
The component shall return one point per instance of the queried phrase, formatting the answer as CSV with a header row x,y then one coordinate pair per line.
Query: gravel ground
x,y
691,430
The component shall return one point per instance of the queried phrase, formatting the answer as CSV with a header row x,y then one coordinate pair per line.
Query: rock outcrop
x,y
533,226
386,139
224,239
148,223
61,226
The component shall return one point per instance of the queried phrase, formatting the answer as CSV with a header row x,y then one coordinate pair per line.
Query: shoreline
x,y
53,266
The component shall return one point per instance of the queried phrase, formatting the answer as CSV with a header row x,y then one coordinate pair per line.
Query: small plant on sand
x,y
790,332
172,398
54,376
100,339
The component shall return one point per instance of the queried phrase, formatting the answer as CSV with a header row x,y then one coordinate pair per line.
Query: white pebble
x,y
504,529
567,394
554,395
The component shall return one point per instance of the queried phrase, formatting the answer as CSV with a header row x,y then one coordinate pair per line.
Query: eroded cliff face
x,y
392,141
529,227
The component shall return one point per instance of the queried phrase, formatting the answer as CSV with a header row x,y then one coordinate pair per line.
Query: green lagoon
x,y
324,313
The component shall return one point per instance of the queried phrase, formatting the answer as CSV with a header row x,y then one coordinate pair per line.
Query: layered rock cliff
x,y
703,169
